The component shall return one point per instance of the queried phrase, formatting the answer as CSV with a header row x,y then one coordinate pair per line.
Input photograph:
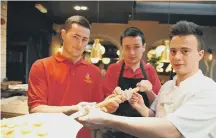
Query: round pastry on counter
x,y
25,130
7,132
3,123
37,123
42,132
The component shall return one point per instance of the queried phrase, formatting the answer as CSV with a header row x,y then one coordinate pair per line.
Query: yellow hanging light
x,y
165,53
96,54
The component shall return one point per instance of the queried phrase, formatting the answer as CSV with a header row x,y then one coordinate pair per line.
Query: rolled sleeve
x,y
197,117
153,105
37,86
155,102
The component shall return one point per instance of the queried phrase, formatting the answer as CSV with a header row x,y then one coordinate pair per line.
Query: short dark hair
x,y
132,31
188,28
78,20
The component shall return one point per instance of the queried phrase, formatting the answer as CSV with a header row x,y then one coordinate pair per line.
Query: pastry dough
x,y
25,130
22,129
126,94
42,133
38,124
7,132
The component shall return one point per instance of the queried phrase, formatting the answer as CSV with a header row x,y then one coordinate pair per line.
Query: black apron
x,y
125,109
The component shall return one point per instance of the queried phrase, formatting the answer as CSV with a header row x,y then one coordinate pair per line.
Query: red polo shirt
x,y
112,76
56,81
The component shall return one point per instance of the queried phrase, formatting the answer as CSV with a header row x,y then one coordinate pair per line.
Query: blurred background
x,y
31,30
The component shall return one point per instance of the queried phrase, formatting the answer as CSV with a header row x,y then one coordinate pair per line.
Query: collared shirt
x,y
112,76
56,81
191,106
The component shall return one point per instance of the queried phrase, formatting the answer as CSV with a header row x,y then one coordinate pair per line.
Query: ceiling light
x,y
77,8
118,52
165,53
159,50
41,8
96,51
83,8
60,49
102,49
106,60
94,60
210,54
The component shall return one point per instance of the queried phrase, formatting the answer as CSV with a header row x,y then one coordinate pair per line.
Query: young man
x,y
61,83
185,106
131,72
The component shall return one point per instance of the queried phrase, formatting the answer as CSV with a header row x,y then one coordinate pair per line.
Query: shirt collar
x,y
127,67
189,80
60,58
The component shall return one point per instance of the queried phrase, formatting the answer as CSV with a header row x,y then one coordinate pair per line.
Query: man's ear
x,y
201,54
144,47
63,33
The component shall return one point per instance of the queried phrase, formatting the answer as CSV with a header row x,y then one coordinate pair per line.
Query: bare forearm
x,y
143,127
151,96
146,112
54,109
151,113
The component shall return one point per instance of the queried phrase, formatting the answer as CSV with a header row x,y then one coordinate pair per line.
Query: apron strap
x,y
143,71
122,70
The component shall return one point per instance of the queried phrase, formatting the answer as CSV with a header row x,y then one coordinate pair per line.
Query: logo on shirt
x,y
87,78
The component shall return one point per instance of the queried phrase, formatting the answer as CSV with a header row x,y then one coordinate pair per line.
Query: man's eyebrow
x,y
80,36
126,45
185,48
172,48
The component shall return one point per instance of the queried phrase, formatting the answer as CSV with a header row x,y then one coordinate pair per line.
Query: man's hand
x,y
117,91
83,104
144,86
85,112
113,101
137,101
113,105
94,117
74,108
